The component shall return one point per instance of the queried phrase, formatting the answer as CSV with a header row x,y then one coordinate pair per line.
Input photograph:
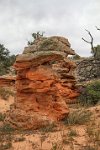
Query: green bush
x,y
6,60
90,95
96,52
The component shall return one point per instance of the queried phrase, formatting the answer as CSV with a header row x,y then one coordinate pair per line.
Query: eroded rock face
x,y
7,80
44,83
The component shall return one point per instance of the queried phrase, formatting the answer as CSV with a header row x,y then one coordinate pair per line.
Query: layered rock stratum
x,y
45,82
7,80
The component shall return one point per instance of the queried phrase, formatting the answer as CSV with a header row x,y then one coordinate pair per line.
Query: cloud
x,y
20,18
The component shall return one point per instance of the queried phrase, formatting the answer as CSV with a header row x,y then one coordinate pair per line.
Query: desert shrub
x,y
2,117
5,93
90,95
5,146
6,129
57,146
72,133
48,128
78,117
20,139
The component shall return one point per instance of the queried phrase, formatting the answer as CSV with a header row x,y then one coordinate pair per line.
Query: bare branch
x,y
90,35
90,42
86,41
97,28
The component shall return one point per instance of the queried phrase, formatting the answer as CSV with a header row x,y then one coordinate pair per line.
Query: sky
x,y
68,18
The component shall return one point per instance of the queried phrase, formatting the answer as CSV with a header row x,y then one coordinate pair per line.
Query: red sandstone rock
x,y
7,80
44,83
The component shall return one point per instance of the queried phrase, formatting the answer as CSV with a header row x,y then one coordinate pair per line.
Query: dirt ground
x,y
63,136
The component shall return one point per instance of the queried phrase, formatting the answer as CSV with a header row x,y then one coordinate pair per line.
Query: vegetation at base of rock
x,y
90,94
6,60
5,141
72,133
48,128
5,146
2,117
20,139
78,117
6,129
57,146
5,93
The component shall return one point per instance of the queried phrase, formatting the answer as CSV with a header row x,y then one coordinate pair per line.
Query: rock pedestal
x,y
44,83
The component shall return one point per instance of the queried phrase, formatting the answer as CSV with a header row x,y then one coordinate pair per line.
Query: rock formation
x,y
87,69
7,80
45,83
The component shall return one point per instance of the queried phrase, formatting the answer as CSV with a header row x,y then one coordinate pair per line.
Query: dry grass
x,y
5,93
78,117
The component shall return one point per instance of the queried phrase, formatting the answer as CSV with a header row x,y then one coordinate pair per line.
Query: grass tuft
x,y
2,117
6,129
90,94
78,117
5,93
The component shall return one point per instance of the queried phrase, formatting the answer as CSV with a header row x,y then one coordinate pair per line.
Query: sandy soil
x,y
5,104
62,137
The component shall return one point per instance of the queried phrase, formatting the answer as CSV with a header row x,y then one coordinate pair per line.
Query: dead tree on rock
x,y
94,50
90,42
